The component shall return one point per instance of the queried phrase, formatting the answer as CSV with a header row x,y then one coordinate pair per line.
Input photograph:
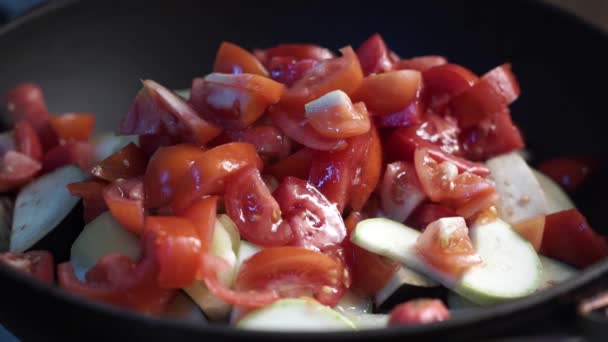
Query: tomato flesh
x,y
419,311
233,59
203,214
26,102
288,70
128,162
443,82
333,115
16,170
125,199
374,55
421,63
367,174
493,136
27,140
389,92
73,126
295,165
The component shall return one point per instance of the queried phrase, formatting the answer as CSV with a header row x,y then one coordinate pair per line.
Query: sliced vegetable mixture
x,y
294,188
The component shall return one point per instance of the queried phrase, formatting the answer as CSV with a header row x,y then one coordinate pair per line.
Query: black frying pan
x,y
89,56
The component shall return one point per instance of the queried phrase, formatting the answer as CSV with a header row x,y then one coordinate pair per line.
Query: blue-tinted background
x,y
12,8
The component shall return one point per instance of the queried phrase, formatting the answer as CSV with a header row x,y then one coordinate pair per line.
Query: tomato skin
x,y
209,172
293,272
164,171
316,223
233,59
269,141
343,73
73,152
256,213
369,271
532,229
443,82
389,92
26,101
128,162
493,136
408,116
332,173
569,238
419,311
452,253
570,173
295,165
401,191
91,193
73,126
421,63
234,101
177,250
490,95
333,115
203,214
367,173
299,130
299,52
125,198
374,56
16,169
288,70
27,140
38,264
427,213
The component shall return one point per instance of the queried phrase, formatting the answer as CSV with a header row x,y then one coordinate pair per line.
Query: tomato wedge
x,y
342,73
295,165
73,126
490,95
368,173
203,214
38,264
493,136
446,245
125,199
300,130
233,59
408,116
165,169
234,101
26,102
421,63
268,140
27,140
288,70
16,169
333,115
293,272
177,250
401,191
389,92
209,172
315,222
91,193
256,213
374,55
128,162
443,82
299,52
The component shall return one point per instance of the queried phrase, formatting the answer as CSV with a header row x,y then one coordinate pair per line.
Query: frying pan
x,y
89,56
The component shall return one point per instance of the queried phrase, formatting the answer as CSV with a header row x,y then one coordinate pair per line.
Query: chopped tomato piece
x,y
491,137
125,199
443,183
478,204
234,101
128,162
419,311
256,213
300,130
268,140
177,249
490,95
446,245
443,82
369,271
408,116
27,140
374,55
293,272
427,213
91,193
150,143
421,63
73,152
570,173
157,110
209,172
532,229
38,264
389,92
299,52
569,238
333,173
296,165
16,169
233,59
73,126
333,115
288,70
367,173
400,192
316,223
26,102
203,214
342,73
165,169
